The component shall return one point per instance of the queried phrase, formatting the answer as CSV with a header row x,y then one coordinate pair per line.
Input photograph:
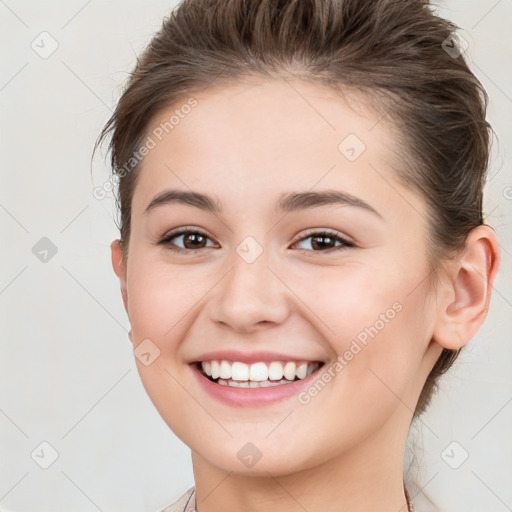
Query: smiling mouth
x,y
256,375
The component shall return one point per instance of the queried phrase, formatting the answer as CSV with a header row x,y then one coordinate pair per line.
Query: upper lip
x,y
251,357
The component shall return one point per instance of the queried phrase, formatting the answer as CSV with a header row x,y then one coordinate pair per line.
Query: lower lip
x,y
252,397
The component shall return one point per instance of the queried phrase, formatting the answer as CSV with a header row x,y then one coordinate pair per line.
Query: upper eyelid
x,y
184,230
346,241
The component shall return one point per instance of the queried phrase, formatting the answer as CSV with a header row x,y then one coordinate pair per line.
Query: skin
x,y
246,144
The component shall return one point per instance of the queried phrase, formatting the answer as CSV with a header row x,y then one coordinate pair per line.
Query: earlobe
x,y
119,267
465,300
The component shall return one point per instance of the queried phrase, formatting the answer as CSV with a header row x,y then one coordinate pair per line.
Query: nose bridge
x,y
251,293
249,266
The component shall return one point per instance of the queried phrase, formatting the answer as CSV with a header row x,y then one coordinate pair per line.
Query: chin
x,y
249,460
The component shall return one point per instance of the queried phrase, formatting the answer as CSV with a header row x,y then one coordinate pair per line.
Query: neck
x,y
367,478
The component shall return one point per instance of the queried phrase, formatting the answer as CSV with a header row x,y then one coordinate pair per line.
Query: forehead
x,y
252,141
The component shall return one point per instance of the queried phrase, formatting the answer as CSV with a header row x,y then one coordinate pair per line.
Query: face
x,y
268,277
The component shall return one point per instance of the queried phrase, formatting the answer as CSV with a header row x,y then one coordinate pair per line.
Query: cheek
x,y
161,304
375,319
162,300
347,299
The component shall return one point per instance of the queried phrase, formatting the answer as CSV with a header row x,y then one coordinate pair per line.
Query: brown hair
x,y
394,51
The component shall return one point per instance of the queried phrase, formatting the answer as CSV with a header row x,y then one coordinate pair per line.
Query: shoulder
x,y
185,504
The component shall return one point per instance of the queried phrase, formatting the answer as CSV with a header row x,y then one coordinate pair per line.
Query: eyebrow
x,y
288,202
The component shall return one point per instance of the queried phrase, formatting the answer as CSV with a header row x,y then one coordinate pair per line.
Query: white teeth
x,y
239,371
289,370
275,370
259,374
225,370
215,369
302,370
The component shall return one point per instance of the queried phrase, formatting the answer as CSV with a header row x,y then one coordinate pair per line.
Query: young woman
x,y
302,247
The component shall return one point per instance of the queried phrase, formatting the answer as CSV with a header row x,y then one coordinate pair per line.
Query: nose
x,y
251,296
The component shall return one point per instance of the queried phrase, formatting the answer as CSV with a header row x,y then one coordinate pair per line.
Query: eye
x,y
325,241
192,238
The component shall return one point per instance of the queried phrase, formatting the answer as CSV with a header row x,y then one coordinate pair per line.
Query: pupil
x,y
194,236
323,242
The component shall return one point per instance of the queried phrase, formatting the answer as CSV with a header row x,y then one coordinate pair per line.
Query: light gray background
x,y
67,370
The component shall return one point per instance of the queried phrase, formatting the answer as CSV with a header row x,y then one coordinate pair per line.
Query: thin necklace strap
x,y
410,505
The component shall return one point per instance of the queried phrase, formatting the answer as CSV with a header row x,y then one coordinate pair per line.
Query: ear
x,y
119,266
464,300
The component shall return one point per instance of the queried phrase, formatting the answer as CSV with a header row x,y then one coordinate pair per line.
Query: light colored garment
x,y
187,503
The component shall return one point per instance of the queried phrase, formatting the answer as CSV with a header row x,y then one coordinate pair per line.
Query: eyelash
x,y
309,234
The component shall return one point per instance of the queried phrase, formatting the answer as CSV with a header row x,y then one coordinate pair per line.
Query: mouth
x,y
256,375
